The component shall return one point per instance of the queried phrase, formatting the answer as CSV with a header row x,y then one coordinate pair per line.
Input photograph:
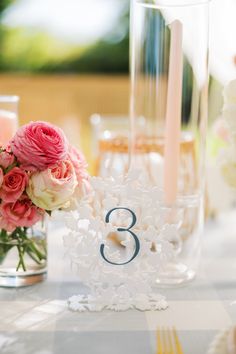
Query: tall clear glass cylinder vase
x,y
169,85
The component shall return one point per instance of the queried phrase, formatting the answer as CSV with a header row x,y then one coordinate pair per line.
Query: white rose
x,y
229,109
52,188
229,115
229,93
82,190
227,162
229,173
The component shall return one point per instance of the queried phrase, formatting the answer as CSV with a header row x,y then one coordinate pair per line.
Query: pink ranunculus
x,y
22,213
39,145
14,184
52,189
6,159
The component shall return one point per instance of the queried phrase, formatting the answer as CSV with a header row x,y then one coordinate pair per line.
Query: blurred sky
x,y
76,21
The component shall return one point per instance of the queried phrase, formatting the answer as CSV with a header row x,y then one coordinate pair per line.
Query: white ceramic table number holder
x,y
135,230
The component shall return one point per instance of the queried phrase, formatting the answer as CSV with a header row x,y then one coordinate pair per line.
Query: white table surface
x,y
35,320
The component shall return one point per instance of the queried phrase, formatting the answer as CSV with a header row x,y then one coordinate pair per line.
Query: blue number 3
x,y
121,229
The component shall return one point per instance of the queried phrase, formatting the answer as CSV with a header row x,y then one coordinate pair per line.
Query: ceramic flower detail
x,y
129,284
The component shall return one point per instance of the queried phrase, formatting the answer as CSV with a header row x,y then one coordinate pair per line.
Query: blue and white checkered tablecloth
x,y
36,320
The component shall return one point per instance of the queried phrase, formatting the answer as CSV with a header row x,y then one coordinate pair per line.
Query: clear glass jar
x,y
23,255
169,86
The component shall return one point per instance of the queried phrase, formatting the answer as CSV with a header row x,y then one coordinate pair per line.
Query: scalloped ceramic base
x,y
83,303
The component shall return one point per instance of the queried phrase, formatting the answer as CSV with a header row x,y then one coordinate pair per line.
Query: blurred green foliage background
x,y
30,50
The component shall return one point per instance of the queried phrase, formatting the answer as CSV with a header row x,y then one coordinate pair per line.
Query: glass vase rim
x,y
172,3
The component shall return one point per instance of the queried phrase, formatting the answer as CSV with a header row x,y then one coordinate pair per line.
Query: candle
x,y
173,114
8,126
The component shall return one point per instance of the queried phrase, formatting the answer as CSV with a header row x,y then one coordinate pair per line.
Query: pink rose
x,y
79,163
6,159
39,145
1,176
21,213
83,187
51,189
14,184
8,147
6,225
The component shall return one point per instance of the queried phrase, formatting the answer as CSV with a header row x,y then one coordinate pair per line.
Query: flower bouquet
x,y
39,172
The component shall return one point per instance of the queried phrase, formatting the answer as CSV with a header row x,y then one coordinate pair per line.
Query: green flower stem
x,y
21,261
5,247
4,236
32,256
44,245
36,251
31,245
25,245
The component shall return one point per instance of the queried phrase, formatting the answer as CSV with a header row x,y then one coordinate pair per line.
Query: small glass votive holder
x,y
110,144
110,138
8,118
